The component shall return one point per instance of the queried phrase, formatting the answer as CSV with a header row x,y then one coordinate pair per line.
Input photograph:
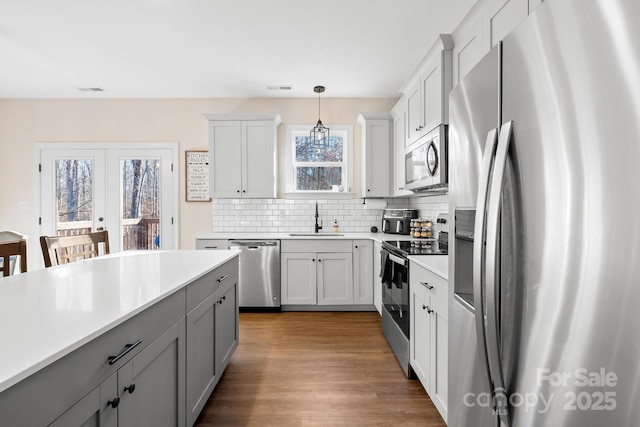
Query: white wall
x,y
25,121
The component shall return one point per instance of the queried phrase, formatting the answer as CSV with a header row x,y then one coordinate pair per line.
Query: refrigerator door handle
x,y
492,275
479,248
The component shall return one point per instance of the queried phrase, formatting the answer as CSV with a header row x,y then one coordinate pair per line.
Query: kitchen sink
x,y
315,234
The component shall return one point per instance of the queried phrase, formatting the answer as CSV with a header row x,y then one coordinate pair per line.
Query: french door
x,y
129,189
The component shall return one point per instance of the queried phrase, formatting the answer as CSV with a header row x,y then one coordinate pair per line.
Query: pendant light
x,y
319,133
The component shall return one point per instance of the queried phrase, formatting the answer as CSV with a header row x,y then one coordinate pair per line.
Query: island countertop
x,y
46,314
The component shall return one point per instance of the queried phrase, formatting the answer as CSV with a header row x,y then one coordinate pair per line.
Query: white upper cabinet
x,y
242,152
399,114
467,51
488,22
427,90
377,157
502,16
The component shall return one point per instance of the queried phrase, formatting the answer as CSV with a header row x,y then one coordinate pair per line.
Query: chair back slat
x,y
13,244
58,250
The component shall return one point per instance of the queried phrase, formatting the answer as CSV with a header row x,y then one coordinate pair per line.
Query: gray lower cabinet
x,y
151,386
185,342
212,337
145,391
95,409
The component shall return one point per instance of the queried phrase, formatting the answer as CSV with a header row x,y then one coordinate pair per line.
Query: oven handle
x,y
397,259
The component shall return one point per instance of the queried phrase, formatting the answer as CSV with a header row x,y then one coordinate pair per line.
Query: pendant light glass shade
x,y
319,133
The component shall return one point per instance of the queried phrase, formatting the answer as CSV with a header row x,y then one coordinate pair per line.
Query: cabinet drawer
x,y
316,245
206,285
59,386
218,244
436,286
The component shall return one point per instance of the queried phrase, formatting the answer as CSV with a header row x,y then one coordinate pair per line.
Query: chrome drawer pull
x,y
223,278
427,285
127,349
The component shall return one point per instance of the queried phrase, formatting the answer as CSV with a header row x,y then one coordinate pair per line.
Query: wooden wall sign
x,y
197,176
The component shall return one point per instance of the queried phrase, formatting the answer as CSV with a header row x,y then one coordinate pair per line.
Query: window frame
x,y
346,131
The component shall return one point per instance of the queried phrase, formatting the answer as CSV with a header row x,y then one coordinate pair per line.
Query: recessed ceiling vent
x,y
282,87
90,89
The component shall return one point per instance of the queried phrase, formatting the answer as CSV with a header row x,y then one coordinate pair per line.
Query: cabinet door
x,y
414,114
258,152
225,152
439,354
467,52
227,322
151,385
298,280
420,331
335,278
399,150
431,84
202,372
363,282
95,409
377,159
502,17
377,280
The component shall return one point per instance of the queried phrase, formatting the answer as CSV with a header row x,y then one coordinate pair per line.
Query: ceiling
x,y
216,48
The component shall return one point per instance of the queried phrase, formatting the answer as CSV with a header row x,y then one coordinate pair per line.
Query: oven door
x,y
395,289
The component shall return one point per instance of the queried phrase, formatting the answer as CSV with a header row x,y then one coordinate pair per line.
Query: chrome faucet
x,y
318,227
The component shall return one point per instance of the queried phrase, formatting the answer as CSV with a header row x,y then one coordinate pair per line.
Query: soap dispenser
x,y
336,228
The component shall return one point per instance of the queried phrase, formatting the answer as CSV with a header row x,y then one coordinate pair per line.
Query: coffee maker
x,y
398,221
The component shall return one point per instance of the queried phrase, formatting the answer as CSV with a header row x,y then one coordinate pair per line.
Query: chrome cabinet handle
x,y
127,349
223,278
427,285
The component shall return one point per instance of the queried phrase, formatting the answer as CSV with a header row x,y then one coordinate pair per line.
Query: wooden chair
x,y
58,250
13,244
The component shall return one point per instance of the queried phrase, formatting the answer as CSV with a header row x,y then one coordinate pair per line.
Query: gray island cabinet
x,y
126,340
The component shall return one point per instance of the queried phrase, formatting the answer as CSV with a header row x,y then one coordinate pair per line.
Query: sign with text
x,y
197,179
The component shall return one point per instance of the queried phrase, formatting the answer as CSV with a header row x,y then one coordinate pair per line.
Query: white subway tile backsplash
x,y
286,216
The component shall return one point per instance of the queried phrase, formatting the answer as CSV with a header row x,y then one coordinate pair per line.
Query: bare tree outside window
x,y
141,203
74,195
318,167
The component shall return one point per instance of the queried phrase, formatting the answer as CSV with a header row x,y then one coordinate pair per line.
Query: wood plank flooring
x,y
316,369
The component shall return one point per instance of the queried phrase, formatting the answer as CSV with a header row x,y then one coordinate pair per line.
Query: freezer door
x,y
473,116
571,86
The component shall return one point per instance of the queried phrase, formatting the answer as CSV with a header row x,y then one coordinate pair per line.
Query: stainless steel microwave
x,y
426,162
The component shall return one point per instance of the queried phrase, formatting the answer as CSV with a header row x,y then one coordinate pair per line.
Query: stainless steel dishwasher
x,y
259,281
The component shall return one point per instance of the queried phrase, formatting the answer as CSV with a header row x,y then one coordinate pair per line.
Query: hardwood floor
x,y
316,369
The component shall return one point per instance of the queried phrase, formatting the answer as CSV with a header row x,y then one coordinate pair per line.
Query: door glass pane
x,y
74,196
140,180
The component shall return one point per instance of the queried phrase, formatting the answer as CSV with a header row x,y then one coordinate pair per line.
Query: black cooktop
x,y
417,247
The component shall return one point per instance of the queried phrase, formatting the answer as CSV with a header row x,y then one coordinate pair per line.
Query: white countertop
x,y
379,237
438,264
46,314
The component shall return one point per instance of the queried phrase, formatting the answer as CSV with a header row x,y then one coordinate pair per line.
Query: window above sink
x,y
319,171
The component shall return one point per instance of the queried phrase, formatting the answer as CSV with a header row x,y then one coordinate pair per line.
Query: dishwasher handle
x,y
252,245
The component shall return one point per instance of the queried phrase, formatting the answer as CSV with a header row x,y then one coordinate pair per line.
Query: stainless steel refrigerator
x,y
544,151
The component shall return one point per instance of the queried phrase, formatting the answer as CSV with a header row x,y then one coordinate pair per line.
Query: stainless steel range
x,y
395,288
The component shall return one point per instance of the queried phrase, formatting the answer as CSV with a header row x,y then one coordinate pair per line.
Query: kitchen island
x,y
81,333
